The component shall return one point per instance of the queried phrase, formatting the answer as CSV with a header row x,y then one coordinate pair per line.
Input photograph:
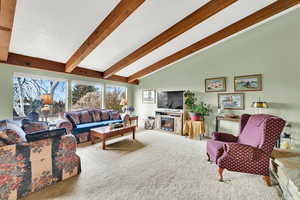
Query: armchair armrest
x,y
243,152
63,123
224,137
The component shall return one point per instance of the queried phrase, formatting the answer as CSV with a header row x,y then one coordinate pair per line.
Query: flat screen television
x,y
170,99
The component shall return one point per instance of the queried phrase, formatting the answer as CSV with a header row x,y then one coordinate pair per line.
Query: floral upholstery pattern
x,y
115,115
30,167
34,127
83,137
85,117
105,115
250,152
10,133
63,123
96,115
74,117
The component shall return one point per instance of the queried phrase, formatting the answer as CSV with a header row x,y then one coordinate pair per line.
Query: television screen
x,y
170,100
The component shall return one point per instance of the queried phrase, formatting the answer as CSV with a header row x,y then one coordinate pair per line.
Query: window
x,y
86,95
38,98
113,96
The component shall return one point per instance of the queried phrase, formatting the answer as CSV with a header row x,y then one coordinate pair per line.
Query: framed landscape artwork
x,y
215,84
231,101
248,83
149,96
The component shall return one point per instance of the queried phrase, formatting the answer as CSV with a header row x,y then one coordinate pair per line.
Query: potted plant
x,y
196,110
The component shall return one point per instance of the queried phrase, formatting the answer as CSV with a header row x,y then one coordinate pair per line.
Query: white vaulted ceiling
x,y
55,29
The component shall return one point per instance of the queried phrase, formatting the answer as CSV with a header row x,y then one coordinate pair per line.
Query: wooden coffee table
x,y
105,132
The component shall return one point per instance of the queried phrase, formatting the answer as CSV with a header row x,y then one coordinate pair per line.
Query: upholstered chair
x,y
250,151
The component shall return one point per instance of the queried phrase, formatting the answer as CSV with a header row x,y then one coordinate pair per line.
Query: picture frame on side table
x,y
248,83
231,101
149,96
215,84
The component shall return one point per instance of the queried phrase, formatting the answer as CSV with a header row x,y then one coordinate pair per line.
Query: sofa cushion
x,y
115,115
86,127
85,117
73,117
96,115
105,115
11,133
40,135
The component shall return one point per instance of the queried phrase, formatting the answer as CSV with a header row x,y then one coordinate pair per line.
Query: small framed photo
x,y
215,84
248,83
231,101
149,96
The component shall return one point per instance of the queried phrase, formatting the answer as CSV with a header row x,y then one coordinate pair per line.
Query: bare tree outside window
x,y
27,94
113,97
86,96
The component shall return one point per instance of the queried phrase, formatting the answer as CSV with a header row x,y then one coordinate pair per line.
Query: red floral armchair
x,y
27,167
250,151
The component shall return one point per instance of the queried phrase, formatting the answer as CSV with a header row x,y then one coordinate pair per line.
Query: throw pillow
x,y
115,115
96,115
11,133
105,115
85,117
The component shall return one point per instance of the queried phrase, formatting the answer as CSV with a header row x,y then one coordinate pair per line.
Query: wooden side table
x,y
134,119
193,128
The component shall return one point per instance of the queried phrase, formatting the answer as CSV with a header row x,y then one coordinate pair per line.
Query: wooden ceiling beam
x,y
200,15
43,64
119,14
7,14
268,11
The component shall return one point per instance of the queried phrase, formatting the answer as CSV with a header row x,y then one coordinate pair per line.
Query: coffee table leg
x,y
103,143
133,134
92,139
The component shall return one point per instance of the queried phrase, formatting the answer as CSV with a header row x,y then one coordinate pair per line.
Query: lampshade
x,y
47,99
124,102
260,104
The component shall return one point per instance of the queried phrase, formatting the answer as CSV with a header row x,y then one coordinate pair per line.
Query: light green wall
x,y
271,49
6,85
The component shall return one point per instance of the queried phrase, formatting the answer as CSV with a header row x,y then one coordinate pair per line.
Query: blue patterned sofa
x,y
79,123
26,167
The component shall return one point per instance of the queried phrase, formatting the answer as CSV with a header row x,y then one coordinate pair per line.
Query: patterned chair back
x,y
260,131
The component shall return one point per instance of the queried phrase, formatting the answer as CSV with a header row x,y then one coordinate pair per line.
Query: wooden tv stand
x,y
171,121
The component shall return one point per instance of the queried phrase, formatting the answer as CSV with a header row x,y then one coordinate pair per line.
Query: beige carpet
x,y
155,166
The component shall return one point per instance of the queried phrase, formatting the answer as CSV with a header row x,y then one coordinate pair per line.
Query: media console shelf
x,y
170,121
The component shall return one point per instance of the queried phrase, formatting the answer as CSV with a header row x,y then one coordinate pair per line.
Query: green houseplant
x,y
196,110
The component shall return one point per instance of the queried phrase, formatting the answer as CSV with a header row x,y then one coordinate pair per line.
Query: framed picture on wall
x,y
215,84
248,83
149,96
231,101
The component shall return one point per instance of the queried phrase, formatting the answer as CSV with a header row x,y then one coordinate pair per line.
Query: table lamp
x,y
47,101
259,105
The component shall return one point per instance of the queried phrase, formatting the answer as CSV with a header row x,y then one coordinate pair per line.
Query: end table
x,y
134,119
